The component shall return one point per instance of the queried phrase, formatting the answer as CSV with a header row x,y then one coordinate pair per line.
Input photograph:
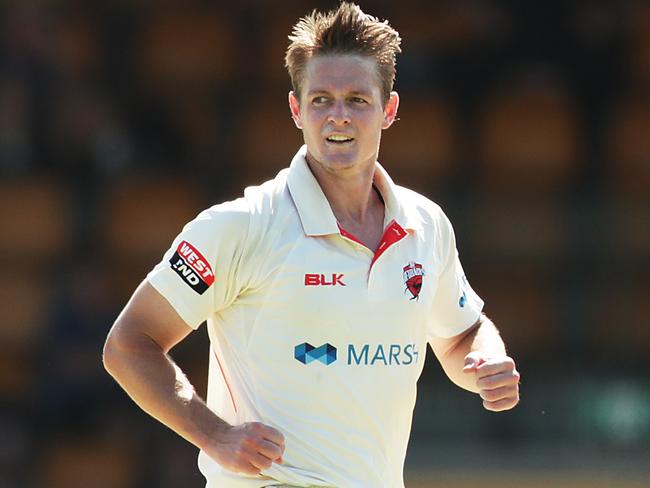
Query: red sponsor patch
x,y
192,267
195,259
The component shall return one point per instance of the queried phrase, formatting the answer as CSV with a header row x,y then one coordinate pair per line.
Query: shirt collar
x,y
402,209
315,212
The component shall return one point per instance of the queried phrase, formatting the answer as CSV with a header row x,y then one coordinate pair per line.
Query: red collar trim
x,y
393,234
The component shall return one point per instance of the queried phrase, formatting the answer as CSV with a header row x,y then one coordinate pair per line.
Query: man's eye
x,y
358,100
319,100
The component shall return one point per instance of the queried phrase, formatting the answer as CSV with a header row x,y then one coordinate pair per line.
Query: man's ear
x,y
390,110
294,106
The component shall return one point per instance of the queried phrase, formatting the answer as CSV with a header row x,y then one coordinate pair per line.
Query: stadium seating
x,y
188,49
77,48
274,43
443,25
525,308
36,218
79,463
620,331
140,218
420,149
628,147
519,230
529,138
267,138
638,32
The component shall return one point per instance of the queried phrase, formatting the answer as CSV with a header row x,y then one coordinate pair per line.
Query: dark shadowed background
x,y
528,122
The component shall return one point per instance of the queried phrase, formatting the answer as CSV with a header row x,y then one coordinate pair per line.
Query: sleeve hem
x,y
182,309
462,327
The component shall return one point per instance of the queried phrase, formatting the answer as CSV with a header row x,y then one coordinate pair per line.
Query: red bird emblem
x,y
412,274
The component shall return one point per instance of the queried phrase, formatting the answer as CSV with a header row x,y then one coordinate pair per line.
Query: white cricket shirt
x,y
311,332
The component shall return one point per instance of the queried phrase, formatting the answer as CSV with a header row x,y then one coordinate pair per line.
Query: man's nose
x,y
339,114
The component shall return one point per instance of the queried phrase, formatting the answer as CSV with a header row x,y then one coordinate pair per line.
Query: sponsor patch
x,y
192,267
412,275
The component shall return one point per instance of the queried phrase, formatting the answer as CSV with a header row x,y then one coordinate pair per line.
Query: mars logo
x,y
412,274
192,267
306,353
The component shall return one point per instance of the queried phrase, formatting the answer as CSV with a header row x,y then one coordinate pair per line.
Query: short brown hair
x,y
346,30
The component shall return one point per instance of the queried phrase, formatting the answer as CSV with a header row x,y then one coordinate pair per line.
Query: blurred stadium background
x,y
529,122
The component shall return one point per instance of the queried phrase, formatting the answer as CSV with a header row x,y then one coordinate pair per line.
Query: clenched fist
x,y
248,448
496,378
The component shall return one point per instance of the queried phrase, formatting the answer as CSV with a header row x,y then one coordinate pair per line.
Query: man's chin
x,y
333,162
338,164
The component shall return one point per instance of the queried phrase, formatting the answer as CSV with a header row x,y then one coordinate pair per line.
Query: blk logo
x,y
306,353
313,279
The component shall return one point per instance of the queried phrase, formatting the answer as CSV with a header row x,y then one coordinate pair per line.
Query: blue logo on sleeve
x,y
463,300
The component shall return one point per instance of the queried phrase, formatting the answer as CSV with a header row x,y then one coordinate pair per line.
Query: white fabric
x,y
284,275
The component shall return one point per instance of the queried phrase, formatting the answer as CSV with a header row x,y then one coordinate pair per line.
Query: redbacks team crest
x,y
412,274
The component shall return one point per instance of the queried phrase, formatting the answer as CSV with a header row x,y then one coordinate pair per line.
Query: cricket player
x,y
321,290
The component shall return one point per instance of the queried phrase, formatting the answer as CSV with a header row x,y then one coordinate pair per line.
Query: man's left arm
x,y
476,360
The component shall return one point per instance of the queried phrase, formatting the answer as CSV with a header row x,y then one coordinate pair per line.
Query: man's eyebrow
x,y
322,91
361,93
316,91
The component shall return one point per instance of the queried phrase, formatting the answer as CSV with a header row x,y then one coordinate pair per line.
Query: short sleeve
x,y
202,273
455,305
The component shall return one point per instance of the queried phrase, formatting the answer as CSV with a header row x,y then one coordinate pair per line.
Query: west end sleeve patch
x,y
192,267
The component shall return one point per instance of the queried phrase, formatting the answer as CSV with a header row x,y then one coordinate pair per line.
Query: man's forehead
x,y
344,72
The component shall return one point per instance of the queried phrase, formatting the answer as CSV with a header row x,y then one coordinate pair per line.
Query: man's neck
x,y
358,208
350,193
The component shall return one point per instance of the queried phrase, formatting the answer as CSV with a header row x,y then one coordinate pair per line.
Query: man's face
x,y
341,112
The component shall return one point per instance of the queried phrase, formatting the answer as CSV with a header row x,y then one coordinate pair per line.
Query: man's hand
x,y
248,448
496,378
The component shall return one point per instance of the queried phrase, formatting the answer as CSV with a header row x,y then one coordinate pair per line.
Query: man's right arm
x,y
136,355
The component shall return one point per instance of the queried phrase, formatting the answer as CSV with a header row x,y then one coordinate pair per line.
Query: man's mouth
x,y
339,139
